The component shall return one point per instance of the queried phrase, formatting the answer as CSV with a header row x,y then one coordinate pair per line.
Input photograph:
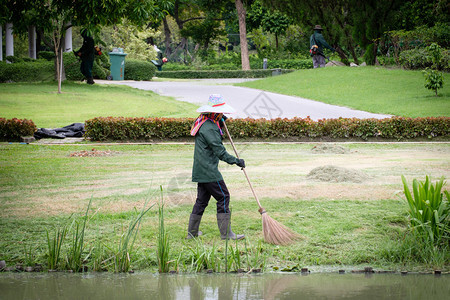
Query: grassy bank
x,y
345,224
376,90
79,102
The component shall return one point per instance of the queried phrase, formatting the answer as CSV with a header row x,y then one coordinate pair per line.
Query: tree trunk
x,y
342,55
243,35
167,38
58,49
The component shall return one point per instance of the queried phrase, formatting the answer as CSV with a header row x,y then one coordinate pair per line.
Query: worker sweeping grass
x,y
209,150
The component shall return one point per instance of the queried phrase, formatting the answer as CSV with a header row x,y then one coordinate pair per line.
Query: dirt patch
x,y
337,174
329,148
93,153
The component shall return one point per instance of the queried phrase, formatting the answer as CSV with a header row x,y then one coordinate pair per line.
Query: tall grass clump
x,y
54,244
163,247
256,258
204,258
74,256
122,260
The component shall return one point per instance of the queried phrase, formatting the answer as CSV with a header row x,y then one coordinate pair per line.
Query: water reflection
x,y
223,286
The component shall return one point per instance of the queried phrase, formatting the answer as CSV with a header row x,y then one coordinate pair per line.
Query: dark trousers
x,y
86,67
216,189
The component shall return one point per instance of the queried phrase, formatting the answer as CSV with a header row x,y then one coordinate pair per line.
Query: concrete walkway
x,y
248,102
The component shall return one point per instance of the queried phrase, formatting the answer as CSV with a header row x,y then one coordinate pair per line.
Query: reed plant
x,y
163,247
235,255
74,255
122,260
54,244
213,261
429,211
100,257
30,255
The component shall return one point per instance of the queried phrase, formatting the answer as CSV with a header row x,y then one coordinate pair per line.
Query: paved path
x,y
248,102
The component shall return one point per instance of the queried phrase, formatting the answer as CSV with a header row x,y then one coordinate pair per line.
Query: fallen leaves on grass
x,y
93,153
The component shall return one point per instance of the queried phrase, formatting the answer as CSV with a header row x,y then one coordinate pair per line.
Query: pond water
x,y
222,286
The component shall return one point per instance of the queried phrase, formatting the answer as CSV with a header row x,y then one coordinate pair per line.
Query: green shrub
x,y
386,61
170,66
72,67
13,129
291,129
100,69
429,211
136,128
369,55
48,55
218,74
434,80
296,64
13,59
139,70
227,66
26,71
421,58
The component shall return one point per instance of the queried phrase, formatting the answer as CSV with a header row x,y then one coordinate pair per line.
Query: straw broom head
x,y
276,233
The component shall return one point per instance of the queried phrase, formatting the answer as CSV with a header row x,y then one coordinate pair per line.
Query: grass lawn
x,y
80,102
345,224
376,90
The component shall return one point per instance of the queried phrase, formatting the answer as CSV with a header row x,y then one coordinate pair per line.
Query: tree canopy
x,y
56,16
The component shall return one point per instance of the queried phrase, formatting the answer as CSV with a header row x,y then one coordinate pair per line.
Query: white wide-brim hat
x,y
216,104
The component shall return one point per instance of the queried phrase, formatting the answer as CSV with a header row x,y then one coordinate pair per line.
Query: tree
x,y
347,22
416,13
434,79
200,20
332,15
370,20
270,21
56,16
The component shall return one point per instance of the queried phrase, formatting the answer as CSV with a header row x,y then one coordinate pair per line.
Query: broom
x,y
274,232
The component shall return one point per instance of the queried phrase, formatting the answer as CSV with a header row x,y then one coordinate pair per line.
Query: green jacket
x,y
319,41
208,151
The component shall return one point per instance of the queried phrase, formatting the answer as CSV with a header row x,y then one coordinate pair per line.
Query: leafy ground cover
x,y
79,102
346,224
377,90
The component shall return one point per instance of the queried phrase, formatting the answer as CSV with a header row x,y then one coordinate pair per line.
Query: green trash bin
x,y
117,59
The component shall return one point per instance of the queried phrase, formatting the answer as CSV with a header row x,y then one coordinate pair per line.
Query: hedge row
x,y
295,64
13,129
119,128
195,74
30,70
38,70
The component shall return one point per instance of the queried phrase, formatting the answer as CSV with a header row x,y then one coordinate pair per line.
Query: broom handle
x,y
243,169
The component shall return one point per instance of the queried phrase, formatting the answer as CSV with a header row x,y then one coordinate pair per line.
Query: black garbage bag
x,y
72,130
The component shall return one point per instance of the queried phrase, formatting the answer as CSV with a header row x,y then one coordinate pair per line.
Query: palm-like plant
x,y
429,211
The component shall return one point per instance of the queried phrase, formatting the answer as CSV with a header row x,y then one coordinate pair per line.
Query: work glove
x,y
222,121
241,163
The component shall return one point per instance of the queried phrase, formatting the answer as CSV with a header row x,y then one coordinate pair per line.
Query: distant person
x,y
207,130
316,44
86,53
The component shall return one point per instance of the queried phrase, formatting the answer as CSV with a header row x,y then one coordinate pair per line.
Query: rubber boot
x,y
194,224
223,221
